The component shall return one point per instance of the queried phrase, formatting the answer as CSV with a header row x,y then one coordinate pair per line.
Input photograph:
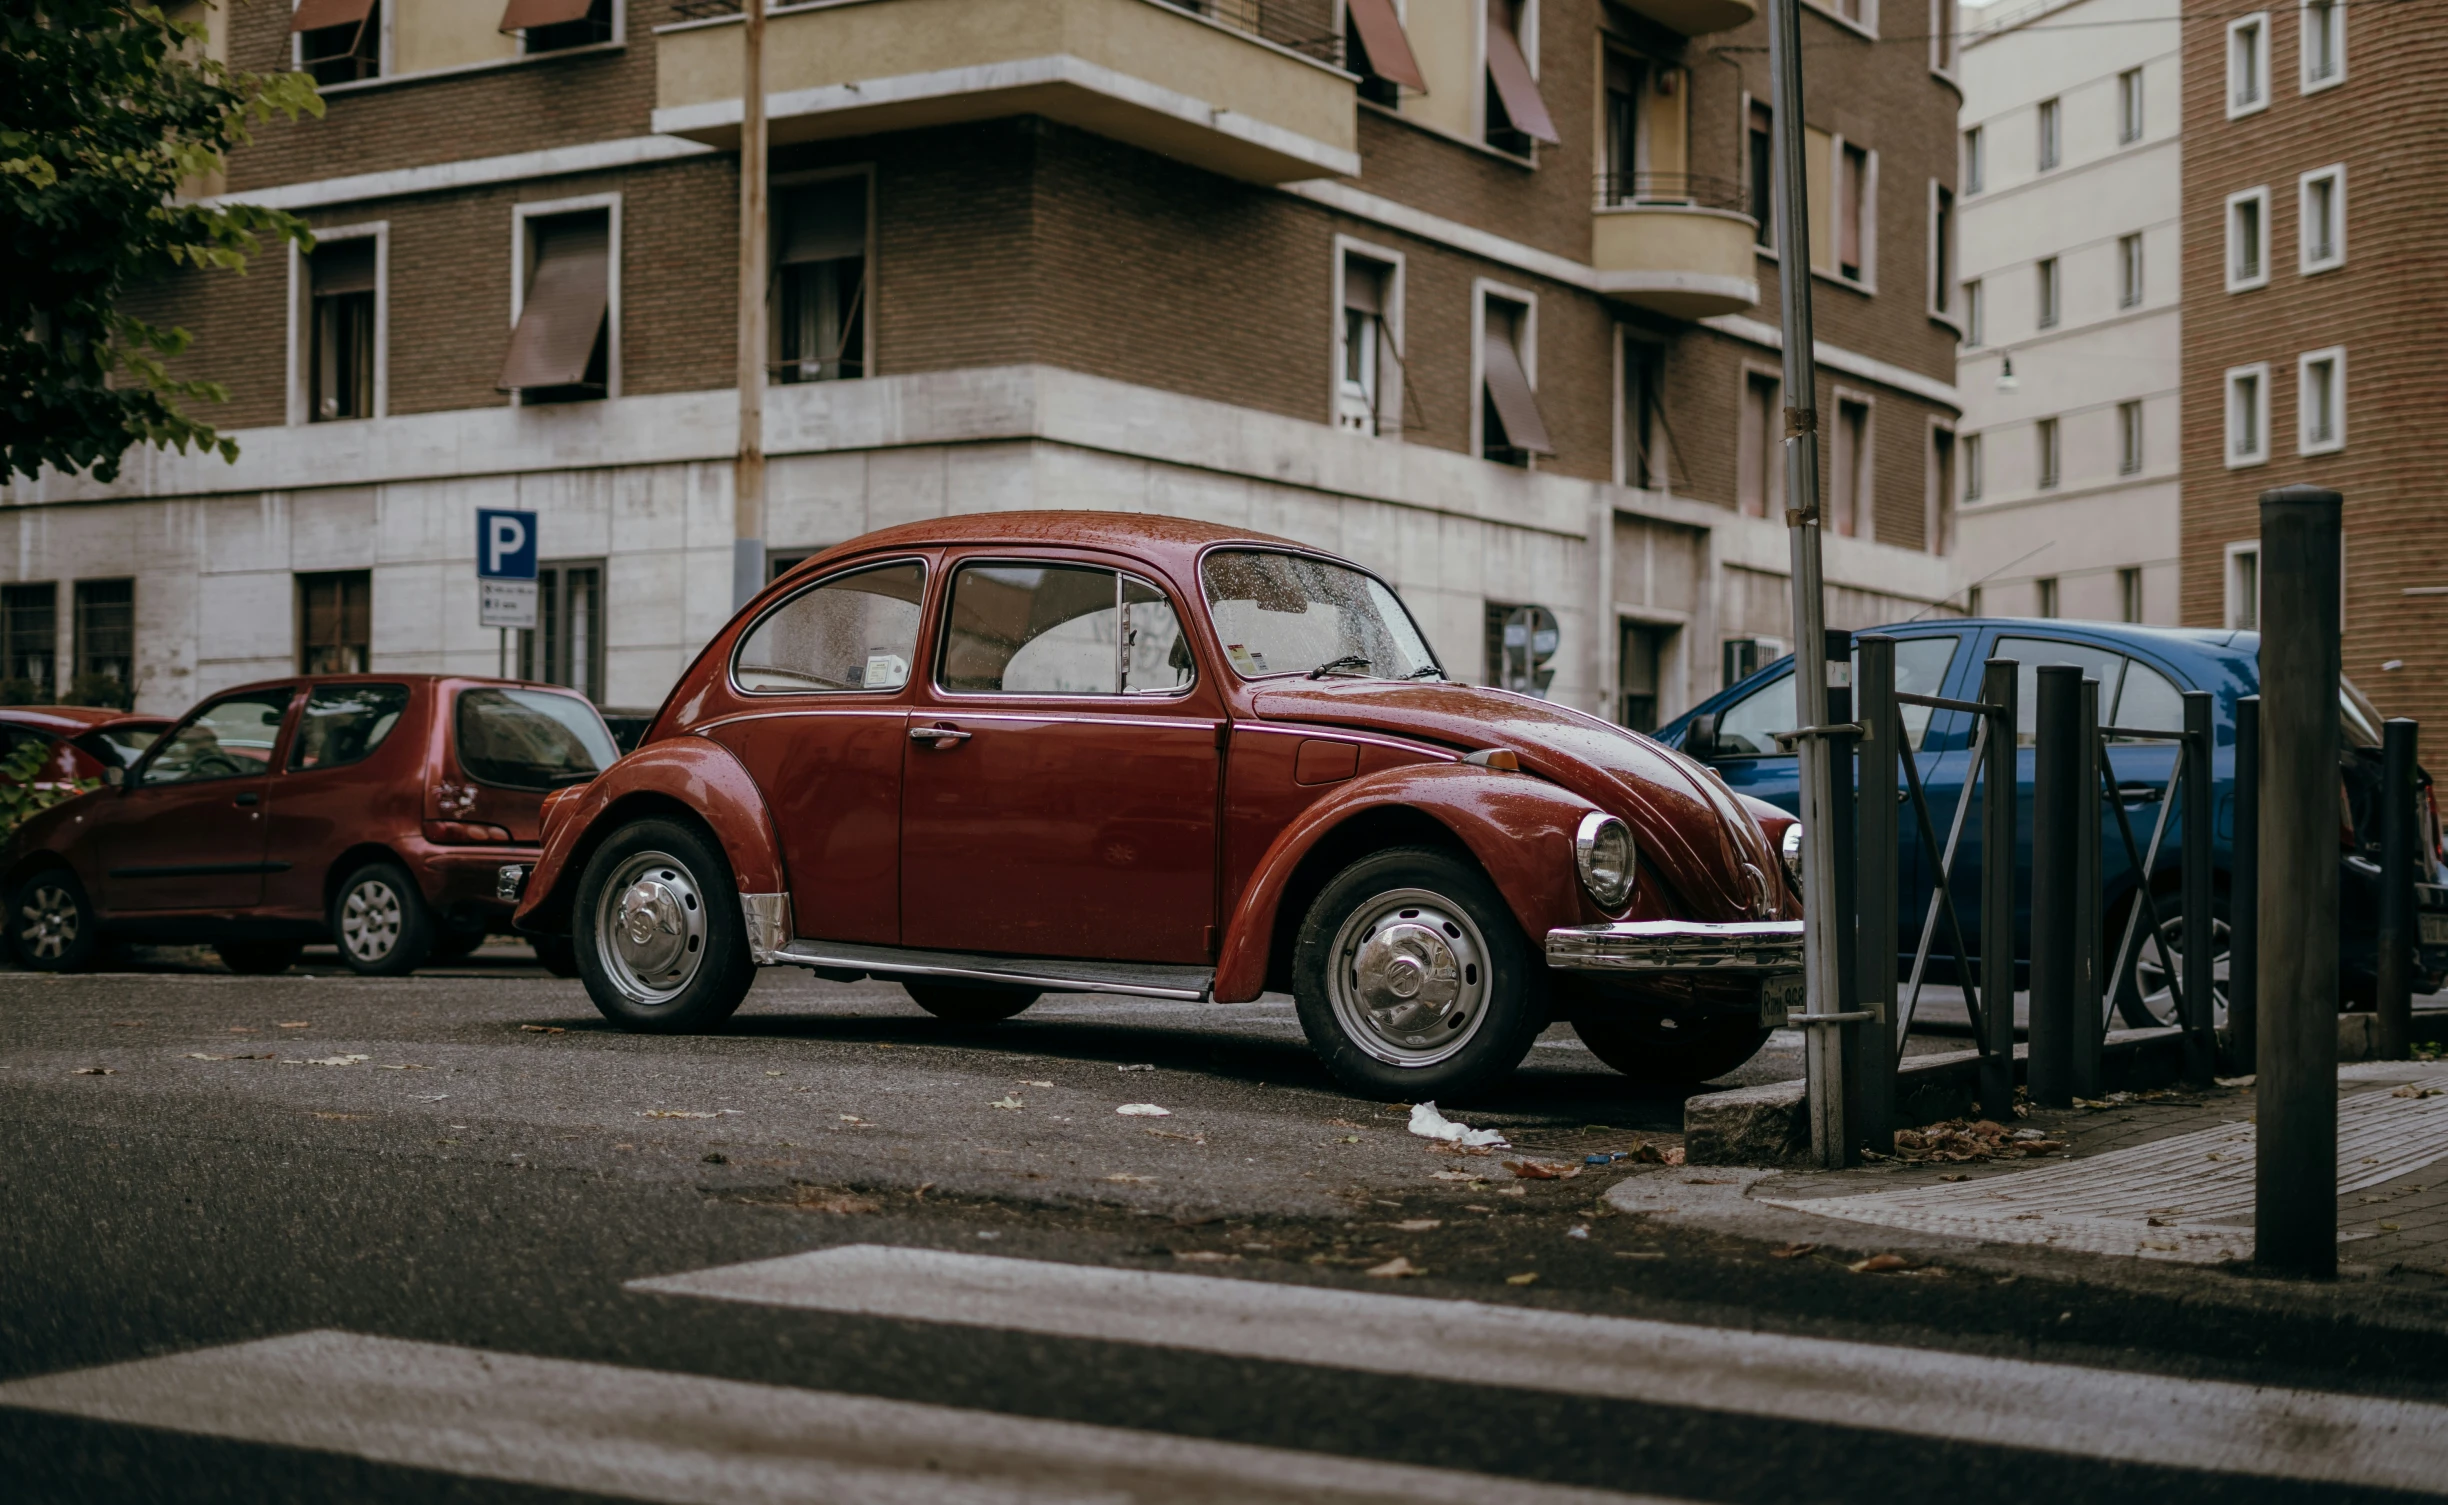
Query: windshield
x,y
531,739
1289,614
123,744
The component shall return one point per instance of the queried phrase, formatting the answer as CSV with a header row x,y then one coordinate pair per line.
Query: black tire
x,y
451,945
1426,920
658,930
258,958
52,926
555,954
380,922
2143,999
966,1003
1654,1048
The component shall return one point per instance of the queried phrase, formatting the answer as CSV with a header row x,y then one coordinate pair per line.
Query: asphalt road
x,y
429,1199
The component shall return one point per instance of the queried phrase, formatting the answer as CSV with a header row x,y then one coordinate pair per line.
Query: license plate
x,y
2435,930
1780,995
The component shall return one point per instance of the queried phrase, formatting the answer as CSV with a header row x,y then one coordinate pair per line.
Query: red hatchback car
x,y
1000,755
373,810
85,742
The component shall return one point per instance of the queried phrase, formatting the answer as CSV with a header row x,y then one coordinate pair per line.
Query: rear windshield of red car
x,y
530,739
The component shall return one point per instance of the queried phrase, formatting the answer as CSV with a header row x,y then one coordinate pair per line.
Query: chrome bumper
x,y
1677,946
511,881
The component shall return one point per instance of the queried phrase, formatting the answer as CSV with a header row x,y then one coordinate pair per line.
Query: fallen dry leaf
x,y
1418,1225
1541,1170
1143,1110
530,1029
1526,1277
1879,1264
295,1024
831,1199
95,1071
1007,1101
350,1060
1131,1180
1397,1268
672,1113
1453,1176
1791,1251
1206,1257
2416,1089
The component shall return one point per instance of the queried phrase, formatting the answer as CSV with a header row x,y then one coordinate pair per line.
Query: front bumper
x,y
1677,946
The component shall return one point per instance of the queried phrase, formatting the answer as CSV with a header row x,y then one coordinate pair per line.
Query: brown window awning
x,y
1509,69
315,15
1389,50
566,302
1508,386
522,14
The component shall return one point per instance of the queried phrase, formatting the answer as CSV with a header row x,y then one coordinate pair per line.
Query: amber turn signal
x,y
1500,758
464,833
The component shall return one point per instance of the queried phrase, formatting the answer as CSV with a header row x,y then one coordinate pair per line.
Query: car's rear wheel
x,y
1412,979
51,924
380,921
258,958
556,954
966,1003
660,938
1655,1048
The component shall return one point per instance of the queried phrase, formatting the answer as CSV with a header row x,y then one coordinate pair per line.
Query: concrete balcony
x,y
1675,243
1696,18
1151,74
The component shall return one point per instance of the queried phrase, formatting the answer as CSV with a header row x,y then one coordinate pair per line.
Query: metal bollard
x,y
2244,893
2090,1022
2398,844
1875,887
2055,774
2295,1144
1997,911
2200,925
1841,830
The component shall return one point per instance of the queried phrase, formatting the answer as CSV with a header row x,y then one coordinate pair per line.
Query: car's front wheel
x,y
1412,979
380,922
963,1003
660,937
52,925
1661,1049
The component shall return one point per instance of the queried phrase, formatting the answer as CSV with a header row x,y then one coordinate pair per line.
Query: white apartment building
x,y
2071,300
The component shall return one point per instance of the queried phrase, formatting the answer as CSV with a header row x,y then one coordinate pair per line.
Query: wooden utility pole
x,y
748,467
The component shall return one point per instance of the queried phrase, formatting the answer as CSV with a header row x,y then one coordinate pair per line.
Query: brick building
x,y
2317,296
1470,290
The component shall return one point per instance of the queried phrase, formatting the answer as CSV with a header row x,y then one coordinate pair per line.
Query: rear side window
x,y
1749,727
854,632
345,723
120,745
530,739
1061,629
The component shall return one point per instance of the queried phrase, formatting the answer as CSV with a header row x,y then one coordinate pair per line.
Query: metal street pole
x,y
1823,992
748,467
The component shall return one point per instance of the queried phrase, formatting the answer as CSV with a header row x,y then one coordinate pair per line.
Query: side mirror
x,y
1700,738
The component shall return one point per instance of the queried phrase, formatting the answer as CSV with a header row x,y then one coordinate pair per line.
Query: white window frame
x,y
1481,289
1936,502
2303,52
1969,483
1389,380
2306,263
1867,282
2261,197
2048,134
2139,433
2048,292
1975,314
1973,172
2305,444
1867,26
2133,291
301,317
1627,335
2232,590
2259,371
521,250
1865,464
384,69
2140,123
1945,259
2260,57
1946,46
2048,453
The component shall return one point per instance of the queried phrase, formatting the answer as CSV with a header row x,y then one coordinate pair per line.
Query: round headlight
x,y
1605,856
1790,849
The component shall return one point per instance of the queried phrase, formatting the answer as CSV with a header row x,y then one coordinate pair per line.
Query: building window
x,y
1759,463
2129,594
2247,239
558,25
1975,161
1942,250
1969,448
2051,133
335,622
1849,460
29,643
2129,438
820,281
2324,43
563,343
2244,587
1972,601
2247,64
2045,299
1976,317
2045,590
1644,459
2322,195
2129,270
1516,115
2129,107
337,41
343,279
1511,429
1762,166
2046,433
1376,47
105,629
1640,655
566,646
1941,530
1945,46
1855,212
1368,371
2320,401
2247,415
1627,82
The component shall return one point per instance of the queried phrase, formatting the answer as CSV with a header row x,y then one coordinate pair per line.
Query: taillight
x,y
464,833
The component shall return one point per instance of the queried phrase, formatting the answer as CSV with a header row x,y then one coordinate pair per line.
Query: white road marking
x,y
685,1439
2056,1408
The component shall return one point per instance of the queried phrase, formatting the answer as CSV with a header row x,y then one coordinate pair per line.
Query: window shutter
x,y
824,222
1509,388
566,304
1389,50
315,15
1511,72
522,14
1364,287
344,266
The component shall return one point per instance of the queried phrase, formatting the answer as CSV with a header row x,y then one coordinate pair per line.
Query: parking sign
x,y
506,568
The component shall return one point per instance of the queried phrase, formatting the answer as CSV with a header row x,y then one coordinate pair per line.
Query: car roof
x,y
2188,637
69,720
381,679
1175,540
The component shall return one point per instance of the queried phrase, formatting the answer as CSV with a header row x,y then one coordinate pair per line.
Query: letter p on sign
x,y
505,545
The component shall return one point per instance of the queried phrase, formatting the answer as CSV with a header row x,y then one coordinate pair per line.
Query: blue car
x,y
2143,673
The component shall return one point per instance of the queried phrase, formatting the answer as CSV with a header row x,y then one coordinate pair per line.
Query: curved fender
x,y
694,771
1520,828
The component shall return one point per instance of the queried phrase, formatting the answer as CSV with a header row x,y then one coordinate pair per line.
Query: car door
x,y
827,672
1062,764
188,830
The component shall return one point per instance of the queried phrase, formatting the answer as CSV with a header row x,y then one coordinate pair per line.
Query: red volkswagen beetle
x,y
372,810
995,756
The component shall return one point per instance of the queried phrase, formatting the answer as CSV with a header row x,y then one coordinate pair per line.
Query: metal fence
x,y
1683,190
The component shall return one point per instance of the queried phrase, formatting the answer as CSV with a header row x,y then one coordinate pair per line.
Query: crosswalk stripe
x,y
690,1440
2057,1408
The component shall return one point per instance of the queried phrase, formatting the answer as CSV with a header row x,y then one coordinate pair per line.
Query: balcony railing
x,y
1632,190
1293,26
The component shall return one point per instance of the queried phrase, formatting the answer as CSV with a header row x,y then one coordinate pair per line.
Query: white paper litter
x,y
1428,1123
1143,1110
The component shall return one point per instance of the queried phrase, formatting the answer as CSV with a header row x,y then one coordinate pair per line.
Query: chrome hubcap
x,y
48,922
1409,979
370,920
2151,979
651,924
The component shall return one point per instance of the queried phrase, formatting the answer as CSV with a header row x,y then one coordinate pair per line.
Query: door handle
x,y
248,798
2140,794
939,737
